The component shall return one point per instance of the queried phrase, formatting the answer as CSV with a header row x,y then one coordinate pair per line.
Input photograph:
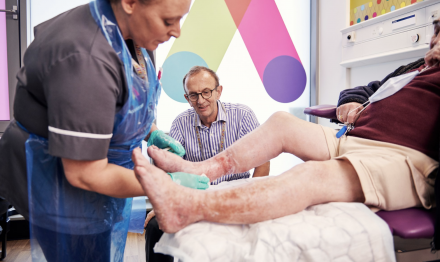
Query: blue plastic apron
x,y
87,224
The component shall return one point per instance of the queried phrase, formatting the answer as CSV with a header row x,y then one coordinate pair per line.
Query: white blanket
x,y
329,232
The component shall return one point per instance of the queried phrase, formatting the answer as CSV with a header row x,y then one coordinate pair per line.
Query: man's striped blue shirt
x,y
240,120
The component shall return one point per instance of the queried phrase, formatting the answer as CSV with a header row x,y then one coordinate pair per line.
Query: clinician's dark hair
x,y
195,70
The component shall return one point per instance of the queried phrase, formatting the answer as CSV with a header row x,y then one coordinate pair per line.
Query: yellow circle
x,y
355,10
370,4
402,4
383,11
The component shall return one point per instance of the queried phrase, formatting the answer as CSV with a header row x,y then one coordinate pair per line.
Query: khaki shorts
x,y
392,176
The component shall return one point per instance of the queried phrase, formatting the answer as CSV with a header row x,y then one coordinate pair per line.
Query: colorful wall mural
x,y
258,48
208,31
362,10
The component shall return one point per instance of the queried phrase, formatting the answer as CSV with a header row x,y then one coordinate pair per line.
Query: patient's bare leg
x,y
282,132
304,185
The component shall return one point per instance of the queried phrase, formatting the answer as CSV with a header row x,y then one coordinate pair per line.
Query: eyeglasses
x,y
206,94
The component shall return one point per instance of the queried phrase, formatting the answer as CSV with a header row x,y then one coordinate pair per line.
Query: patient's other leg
x,y
282,132
304,185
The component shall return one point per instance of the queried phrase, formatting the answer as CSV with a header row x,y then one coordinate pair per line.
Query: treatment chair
x,y
4,226
412,228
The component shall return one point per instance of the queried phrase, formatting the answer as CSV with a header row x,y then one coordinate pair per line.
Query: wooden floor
x,y
20,250
135,248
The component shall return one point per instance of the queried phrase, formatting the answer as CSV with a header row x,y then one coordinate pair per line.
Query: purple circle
x,y
366,17
284,79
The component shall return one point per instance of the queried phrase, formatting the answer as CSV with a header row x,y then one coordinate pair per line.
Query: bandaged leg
x,y
282,132
307,184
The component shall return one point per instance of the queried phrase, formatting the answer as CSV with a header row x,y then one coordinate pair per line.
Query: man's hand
x,y
159,139
347,113
150,215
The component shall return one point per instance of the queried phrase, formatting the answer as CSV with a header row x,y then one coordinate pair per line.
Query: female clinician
x,y
85,99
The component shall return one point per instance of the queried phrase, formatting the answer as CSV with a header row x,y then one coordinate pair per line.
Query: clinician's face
x,y
151,24
205,108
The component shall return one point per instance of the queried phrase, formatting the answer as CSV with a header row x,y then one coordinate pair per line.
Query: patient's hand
x,y
433,56
347,113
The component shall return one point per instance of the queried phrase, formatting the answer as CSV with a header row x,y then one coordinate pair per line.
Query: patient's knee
x,y
283,117
320,170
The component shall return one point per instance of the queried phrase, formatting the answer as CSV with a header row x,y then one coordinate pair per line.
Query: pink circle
x,y
374,14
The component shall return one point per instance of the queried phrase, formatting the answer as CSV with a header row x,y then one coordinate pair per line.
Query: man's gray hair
x,y
197,69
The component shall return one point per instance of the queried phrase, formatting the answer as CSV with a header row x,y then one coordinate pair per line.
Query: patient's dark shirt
x,y
410,118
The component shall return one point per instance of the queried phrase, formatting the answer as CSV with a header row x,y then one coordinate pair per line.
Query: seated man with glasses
x,y
205,130
211,126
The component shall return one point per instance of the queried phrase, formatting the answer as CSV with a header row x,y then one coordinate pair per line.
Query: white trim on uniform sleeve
x,y
78,134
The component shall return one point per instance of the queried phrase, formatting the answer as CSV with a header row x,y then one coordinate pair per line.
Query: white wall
x,y
42,10
364,74
332,76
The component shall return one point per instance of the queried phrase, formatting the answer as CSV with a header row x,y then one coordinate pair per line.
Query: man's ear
x,y
187,99
219,92
129,5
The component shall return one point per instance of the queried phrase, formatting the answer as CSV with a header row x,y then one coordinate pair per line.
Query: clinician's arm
x,y
85,106
262,170
153,128
101,177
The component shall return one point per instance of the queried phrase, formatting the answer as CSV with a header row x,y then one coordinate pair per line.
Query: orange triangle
x,y
237,8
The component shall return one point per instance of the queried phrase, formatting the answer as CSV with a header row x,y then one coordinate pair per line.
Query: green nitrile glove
x,y
159,139
190,180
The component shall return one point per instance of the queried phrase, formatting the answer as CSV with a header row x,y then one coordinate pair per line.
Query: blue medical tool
x,y
344,130
341,132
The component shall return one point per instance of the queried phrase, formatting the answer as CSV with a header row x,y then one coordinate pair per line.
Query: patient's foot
x,y
170,162
213,168
175,206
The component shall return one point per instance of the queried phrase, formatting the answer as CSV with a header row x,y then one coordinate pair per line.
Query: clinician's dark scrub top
x,y
68,91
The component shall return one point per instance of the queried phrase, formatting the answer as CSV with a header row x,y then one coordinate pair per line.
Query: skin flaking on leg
x,y
282,132
213,168
304,185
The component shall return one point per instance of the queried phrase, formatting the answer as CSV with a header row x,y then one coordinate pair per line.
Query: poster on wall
x,y
260,50
4,82
363,10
